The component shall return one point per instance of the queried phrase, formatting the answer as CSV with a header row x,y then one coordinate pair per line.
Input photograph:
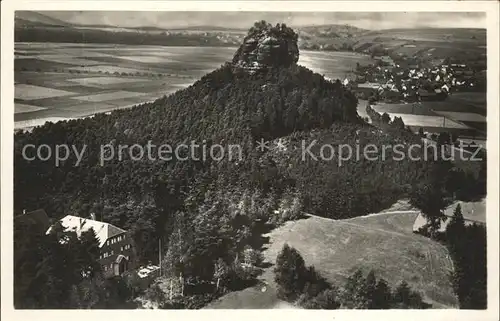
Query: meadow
x,y
384,242
57,81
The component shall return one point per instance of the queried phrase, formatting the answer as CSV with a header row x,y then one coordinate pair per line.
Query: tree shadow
x,y
258,240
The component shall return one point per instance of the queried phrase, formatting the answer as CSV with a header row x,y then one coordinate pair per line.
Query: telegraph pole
x,y
159,254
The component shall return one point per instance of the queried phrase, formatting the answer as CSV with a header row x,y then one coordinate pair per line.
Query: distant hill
x,y
35,18
423,43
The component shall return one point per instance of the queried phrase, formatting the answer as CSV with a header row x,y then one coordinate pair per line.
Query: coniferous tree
x,y
383,297
430,200
290,273
370,290
402,295
456,227
353,296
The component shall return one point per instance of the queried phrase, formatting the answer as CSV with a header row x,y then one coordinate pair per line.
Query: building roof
x,y
370,85
120,258
38,218
76,224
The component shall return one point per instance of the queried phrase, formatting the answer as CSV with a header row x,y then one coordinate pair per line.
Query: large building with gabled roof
x,y
116,246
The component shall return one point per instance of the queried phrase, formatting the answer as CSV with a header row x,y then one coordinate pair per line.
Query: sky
x,y
366,20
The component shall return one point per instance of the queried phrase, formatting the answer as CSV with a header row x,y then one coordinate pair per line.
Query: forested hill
x,y
235,104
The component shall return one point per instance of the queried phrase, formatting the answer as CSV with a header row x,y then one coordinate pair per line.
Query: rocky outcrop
x,y
267,46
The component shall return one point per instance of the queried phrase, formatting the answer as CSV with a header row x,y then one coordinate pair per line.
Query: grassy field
x,y
383,242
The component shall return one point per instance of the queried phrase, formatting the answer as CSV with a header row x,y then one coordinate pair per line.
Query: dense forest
x,y
209,212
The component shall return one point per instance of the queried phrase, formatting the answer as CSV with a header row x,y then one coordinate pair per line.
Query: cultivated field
x,y
333,65
452,115
55,80
465,117
455,104
30,92
474,99
22,108
410,108
428,121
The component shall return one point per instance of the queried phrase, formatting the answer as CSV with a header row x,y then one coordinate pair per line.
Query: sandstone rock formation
x,y
267,46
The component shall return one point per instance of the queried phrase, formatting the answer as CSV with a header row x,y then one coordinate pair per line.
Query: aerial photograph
x,y
250,160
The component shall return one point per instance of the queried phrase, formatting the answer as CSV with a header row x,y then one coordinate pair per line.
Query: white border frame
x,y
7,126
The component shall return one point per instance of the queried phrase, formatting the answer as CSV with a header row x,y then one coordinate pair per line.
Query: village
x,y
412,80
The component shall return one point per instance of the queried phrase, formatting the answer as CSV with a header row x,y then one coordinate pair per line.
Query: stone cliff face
x,y
267,46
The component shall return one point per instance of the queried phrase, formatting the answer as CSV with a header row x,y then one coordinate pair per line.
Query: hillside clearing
x,y
383,242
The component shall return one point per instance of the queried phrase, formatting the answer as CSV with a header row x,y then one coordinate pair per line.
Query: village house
x,y
366,90
434,95
116,246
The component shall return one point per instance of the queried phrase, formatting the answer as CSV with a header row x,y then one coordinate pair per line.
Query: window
x,y
105,268
121,248
112,252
